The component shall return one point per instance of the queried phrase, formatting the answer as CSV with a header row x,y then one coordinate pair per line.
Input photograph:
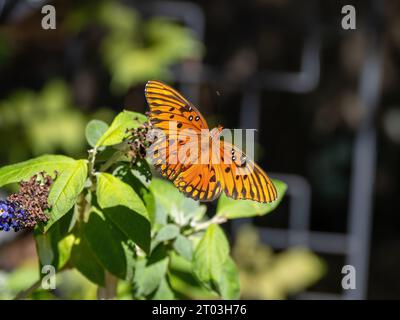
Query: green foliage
x,y
87,262
268,275
134,50
117,130
212,264
183,246
150,272
232,209
94,131
110,219
46,121
54,248
24,170
70,284
229,285
112,192
105,242
42,122
174,205
65,190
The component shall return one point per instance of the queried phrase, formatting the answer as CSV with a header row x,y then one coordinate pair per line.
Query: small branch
x,y
92,159
206,224
111,161
109,291
25,293
82,207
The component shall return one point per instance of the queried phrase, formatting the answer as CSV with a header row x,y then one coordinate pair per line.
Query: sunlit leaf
x,y
232,209
117,130
94,131
210,255
112,192
139,177
25,170
65,190
172,202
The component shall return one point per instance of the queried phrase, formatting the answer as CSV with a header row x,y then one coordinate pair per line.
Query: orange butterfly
x,y
239,178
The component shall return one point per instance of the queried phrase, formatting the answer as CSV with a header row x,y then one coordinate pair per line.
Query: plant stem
x,y
92,159
109,291
206,224
25,293
111,161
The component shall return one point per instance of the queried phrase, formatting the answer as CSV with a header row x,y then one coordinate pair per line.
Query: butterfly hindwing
x,y
200,182
244,179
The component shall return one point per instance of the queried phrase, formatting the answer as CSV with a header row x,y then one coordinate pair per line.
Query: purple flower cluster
x,y
12,216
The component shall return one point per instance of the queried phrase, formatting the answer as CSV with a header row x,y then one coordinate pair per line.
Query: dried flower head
x,y
27,207
138,141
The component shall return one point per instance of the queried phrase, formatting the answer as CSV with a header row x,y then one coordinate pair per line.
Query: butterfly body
x,y
194,158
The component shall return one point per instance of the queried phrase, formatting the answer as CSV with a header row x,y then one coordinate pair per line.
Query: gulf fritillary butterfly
x,y
240,178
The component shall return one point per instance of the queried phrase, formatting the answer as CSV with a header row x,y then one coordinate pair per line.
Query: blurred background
x,y
325,102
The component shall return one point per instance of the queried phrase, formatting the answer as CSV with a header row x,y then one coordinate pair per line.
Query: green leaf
x,y
132,225
54,247
117,131
141,170
183,281
64,247
229,284
164,291
130,256
86,262
112,192
139,178
150,273
172,202
65,190
94,131
232,209
168,232
183,246
105,243
24,170
210,256
44,248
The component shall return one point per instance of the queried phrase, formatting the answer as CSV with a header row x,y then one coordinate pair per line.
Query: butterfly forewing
x,y
167,105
